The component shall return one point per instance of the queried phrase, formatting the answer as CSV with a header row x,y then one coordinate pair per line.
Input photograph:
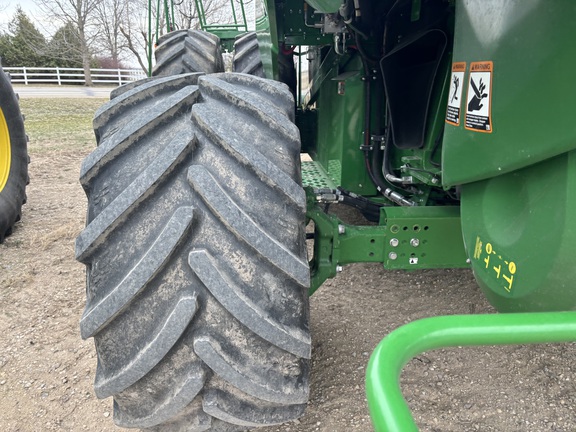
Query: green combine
x,y
444,122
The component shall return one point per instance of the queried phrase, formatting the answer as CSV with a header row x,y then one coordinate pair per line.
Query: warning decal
x,y
479,98
455,96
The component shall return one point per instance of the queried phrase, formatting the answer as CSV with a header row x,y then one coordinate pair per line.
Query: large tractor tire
x,y
184,51
246,57
13,157
247,60
196,256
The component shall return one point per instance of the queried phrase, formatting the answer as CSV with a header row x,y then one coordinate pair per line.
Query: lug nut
x,y
392,255
414,242
394,242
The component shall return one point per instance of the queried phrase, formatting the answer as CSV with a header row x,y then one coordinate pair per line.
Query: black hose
x,y
370,209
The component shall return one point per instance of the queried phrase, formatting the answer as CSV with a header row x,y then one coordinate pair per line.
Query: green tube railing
x,y
388,409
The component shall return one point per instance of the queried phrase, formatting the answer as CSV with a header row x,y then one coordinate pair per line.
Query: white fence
x,y
38,75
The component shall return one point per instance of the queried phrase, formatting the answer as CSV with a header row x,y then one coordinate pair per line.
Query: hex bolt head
x,y
392,255
339,269
414,242
394,242
341,229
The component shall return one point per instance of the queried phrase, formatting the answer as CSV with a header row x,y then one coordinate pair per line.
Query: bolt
x,y
339,269
341,229
414,242
394,242
468,261
392,255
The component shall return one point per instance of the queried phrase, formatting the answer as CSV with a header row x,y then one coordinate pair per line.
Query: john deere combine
x,y
446,123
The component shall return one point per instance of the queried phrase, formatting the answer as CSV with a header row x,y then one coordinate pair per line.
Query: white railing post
x,y
58,76
25,76
119,77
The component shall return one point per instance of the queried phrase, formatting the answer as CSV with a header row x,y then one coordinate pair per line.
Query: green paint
x,y
525,220
423,238
314,175
531,87
407,238
337,244
389,410
325,6
341,124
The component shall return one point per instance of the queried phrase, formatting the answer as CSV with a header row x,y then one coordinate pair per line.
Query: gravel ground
x,y
47,371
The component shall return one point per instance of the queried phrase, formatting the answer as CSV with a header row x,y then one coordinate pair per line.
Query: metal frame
x,y
406,238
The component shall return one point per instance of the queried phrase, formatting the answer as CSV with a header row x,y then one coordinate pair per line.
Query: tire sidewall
x,y
13,194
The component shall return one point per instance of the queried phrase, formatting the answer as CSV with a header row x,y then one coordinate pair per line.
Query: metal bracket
x,y
407,238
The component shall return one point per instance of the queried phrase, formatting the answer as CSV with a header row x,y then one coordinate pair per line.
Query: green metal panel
x,y
408,238
519,233
340,127
295,30
531,96
325,6
313,175
389,411
267,33
423,237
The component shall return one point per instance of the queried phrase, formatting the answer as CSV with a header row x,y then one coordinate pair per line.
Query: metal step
x,y
314,175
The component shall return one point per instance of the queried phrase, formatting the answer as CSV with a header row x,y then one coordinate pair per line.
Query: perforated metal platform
x,y
315,176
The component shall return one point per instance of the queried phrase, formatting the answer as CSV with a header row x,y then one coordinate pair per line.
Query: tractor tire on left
x,y
13,158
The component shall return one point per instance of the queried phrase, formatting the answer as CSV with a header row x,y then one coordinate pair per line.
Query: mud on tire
x,y
195,253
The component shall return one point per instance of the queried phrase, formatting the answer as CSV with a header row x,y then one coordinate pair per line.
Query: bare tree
x,y
81,13
110,15
135,30
134,26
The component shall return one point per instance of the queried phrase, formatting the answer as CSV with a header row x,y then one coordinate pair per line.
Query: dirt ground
x,y
47,371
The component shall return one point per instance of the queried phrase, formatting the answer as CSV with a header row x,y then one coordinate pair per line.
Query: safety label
x,y
479,98
455,97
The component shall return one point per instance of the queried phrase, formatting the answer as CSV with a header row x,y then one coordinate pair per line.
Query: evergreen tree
x,y
23,45
65,48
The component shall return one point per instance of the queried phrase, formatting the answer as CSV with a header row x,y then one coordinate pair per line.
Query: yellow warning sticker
x,y
454,109
479,97
495,264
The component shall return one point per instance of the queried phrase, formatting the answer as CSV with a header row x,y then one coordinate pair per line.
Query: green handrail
x,y
389,410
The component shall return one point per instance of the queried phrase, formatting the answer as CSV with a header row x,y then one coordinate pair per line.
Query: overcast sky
x,y
8,9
